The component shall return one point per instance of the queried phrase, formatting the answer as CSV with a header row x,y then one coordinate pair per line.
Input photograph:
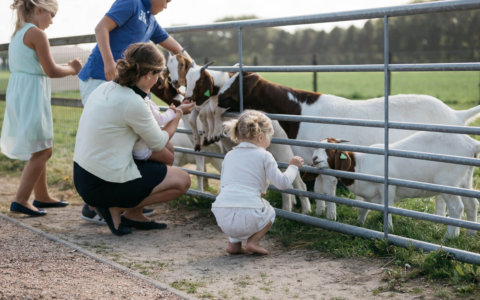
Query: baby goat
x,y
410,169
202,88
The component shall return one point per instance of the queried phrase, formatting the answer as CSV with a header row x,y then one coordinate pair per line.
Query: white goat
x,y
270,97
410,169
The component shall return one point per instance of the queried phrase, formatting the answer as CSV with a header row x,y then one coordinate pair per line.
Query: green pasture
x,y
459,90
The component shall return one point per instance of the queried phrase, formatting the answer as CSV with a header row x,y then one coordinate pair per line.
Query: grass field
x,y
459,90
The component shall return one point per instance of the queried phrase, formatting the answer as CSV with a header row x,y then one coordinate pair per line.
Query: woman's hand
x,y
297,161
109,69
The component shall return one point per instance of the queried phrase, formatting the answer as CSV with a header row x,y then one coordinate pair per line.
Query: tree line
x,y
426,38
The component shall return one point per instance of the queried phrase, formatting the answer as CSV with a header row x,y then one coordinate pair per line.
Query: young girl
x,y
239,209
27,131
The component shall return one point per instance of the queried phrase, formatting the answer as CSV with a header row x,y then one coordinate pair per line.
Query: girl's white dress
x,y
27,126
239,209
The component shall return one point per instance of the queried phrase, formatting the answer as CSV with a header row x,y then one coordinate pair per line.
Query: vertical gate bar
x,y
240,62
386,84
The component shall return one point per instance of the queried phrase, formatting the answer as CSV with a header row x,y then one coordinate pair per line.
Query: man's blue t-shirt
x,y
135,24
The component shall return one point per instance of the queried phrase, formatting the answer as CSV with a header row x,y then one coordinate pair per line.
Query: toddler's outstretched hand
x,y
76,65
186,107
297,161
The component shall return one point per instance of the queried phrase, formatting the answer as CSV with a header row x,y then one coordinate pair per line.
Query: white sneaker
x,y
91,215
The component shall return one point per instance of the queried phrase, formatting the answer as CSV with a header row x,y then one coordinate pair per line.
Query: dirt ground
x,y
188,256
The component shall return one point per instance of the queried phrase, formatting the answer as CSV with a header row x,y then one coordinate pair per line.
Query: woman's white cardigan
x,y
113,119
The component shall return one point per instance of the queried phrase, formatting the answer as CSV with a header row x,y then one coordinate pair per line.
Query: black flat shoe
x,y
60,203
143,225
17,207
122,228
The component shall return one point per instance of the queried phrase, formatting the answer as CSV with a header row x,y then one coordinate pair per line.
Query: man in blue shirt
x,y
127,22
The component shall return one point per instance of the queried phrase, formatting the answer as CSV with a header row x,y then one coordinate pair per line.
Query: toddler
x,y
239,208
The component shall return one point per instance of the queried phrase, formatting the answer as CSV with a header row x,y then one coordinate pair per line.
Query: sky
x,y
79,17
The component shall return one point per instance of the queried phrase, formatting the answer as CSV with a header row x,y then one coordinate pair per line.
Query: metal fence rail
x,y
385,14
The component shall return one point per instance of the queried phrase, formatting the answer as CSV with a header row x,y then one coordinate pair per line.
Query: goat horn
x,y
343,141
206,65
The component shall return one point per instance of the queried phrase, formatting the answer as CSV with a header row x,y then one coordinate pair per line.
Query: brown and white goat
x,y
410,169
202,88
274,98
165,90
178,65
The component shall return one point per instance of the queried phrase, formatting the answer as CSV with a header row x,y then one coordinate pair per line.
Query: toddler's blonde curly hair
x,y
248,126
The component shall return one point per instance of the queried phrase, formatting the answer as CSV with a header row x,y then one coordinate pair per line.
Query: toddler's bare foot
x,y
235,248
252,248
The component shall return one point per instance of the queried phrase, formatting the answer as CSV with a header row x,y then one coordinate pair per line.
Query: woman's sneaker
x,y
91,215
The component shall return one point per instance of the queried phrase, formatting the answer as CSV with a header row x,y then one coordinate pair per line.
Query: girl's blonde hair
x,y
25,9
137,61
248,126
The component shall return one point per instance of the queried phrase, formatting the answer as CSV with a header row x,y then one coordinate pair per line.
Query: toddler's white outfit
x,y
239,209
141,151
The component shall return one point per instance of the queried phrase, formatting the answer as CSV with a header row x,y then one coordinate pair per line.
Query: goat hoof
x,y
197,147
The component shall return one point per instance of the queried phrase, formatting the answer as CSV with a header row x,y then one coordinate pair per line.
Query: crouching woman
x,y
116,115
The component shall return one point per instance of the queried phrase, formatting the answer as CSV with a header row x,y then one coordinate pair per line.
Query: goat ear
x,y
343,161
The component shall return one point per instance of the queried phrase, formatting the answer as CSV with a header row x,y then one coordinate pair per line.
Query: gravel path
x,y
35,267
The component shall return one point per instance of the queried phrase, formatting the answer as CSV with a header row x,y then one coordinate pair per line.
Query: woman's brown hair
x,y
137,61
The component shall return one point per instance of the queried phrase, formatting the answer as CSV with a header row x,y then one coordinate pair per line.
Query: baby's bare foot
x,y
252,248
235,248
